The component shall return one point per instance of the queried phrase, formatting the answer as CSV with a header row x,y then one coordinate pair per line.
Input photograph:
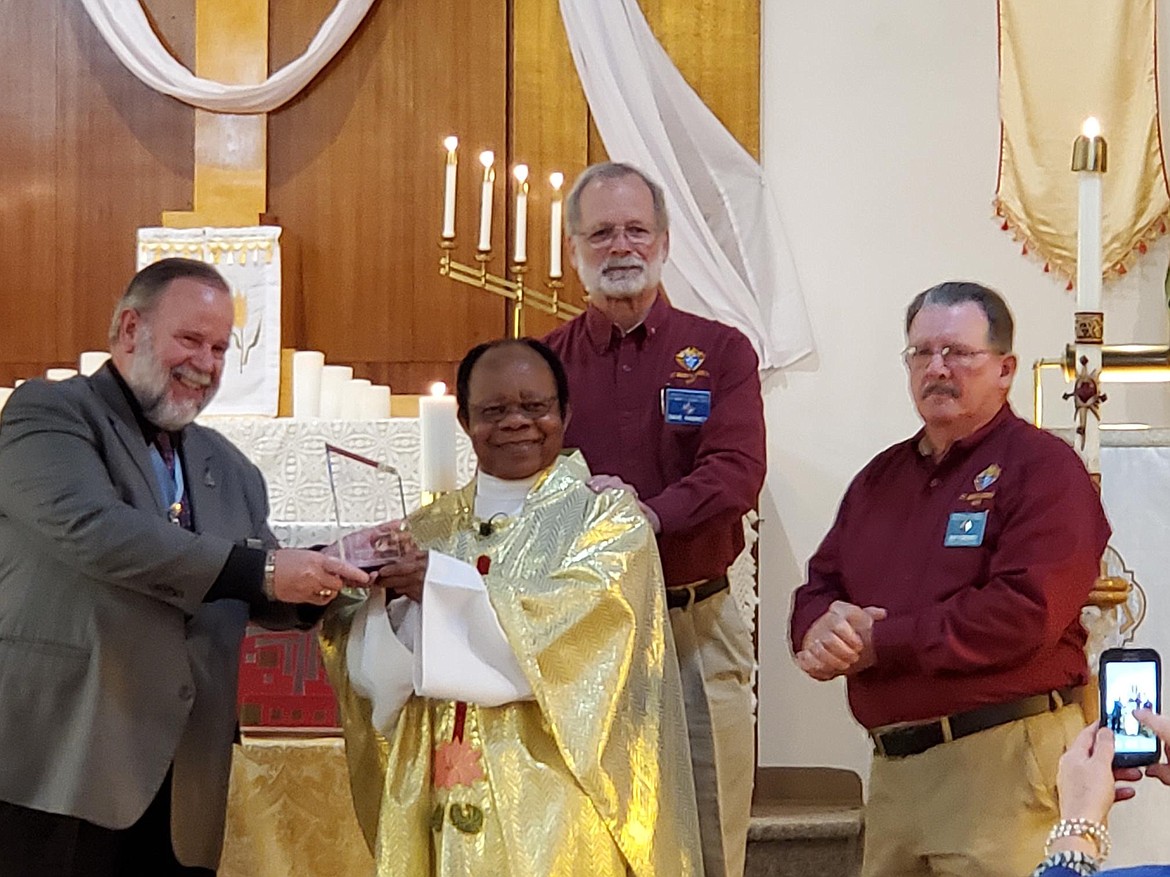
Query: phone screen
x,y
1127,685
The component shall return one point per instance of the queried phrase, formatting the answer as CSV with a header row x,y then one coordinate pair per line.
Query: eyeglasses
x,y
636,235
952,355
531,409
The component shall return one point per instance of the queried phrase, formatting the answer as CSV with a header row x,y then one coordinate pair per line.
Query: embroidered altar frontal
x,y
283,684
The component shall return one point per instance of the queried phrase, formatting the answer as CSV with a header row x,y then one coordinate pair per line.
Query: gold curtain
x,y
1062,61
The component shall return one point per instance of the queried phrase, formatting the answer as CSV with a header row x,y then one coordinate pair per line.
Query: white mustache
x,y
621,262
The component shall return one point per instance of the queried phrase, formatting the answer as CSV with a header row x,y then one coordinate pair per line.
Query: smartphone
x,y
1129,679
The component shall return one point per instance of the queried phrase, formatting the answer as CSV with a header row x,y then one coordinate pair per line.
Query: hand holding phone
x,y
1130,679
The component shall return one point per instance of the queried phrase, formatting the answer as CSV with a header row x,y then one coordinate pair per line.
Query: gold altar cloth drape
x,y
597,764
1062,61
290,813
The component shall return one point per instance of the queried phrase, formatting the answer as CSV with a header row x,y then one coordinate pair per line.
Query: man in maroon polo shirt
x,y
948,593
667,405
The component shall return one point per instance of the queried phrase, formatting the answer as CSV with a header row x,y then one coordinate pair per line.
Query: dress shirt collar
x,y
603,332
960,447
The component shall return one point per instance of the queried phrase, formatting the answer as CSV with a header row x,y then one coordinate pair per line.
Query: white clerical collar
x,y
499,496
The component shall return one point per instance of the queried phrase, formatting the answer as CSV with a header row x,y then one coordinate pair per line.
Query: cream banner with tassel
x,y
1062,61
249,258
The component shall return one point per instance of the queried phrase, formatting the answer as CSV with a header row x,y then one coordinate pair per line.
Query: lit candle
x,y
1089,161
1089,148
449,190
486,158
521,173
437,422
555,227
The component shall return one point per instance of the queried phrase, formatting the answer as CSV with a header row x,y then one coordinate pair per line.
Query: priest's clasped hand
x,y
371,548
406,574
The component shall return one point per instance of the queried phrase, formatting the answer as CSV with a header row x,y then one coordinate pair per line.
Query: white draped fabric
x,y
124,26
729,257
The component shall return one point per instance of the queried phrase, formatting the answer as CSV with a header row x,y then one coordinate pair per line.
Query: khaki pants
x,y
715,658
980,806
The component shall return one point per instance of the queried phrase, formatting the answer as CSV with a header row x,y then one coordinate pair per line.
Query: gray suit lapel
x,y
202,481
125,426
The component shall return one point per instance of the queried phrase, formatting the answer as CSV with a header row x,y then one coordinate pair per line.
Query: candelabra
x,y
514,289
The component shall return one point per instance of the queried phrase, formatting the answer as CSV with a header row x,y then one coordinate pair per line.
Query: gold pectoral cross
x,y
231,172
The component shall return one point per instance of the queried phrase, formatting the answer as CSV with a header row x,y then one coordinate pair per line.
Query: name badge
x,y
965,529
691,407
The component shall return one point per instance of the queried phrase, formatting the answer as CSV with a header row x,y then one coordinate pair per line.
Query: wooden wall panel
x,y
716,46
28,230
550,132
356,172
88,154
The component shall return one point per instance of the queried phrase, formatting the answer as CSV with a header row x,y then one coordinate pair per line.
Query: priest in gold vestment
x,y
519,713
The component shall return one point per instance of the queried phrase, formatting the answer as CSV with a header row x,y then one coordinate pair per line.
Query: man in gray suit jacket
x,y
134,547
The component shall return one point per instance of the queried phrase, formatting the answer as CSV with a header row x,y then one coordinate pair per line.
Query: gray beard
x,y
148,380
628,287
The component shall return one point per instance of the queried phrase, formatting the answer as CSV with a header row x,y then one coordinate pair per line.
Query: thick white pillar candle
x,y
449,189
437,425
556,227
333,380
60,374
353,398
377,403
486,158
91,360
5,392
306,383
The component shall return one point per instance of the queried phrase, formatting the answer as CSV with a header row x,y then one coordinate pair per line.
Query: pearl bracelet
x,y
1086,828
1077,862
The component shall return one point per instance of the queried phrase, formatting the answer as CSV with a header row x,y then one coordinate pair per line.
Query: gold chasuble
x,y
1062,61
590,777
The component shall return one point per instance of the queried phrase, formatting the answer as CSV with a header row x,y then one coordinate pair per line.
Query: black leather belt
x,y
688,595
914,739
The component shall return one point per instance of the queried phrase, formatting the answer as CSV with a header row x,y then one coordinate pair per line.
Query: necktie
x,y
174,491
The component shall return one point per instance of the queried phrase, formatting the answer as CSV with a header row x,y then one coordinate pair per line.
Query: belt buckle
x,y
944,725
690,589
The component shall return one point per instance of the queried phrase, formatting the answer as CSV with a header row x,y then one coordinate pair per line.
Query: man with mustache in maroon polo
x,y
948,594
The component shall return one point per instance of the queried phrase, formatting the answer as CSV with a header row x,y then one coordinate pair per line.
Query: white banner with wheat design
x,y
249,258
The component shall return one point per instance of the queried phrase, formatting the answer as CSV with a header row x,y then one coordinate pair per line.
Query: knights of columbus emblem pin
x,y
690,358
987,477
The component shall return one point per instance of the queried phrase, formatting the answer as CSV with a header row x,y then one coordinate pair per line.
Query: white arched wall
x,y
880,138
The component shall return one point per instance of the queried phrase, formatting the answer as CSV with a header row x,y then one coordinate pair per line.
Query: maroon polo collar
x,y
967,442
602,331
